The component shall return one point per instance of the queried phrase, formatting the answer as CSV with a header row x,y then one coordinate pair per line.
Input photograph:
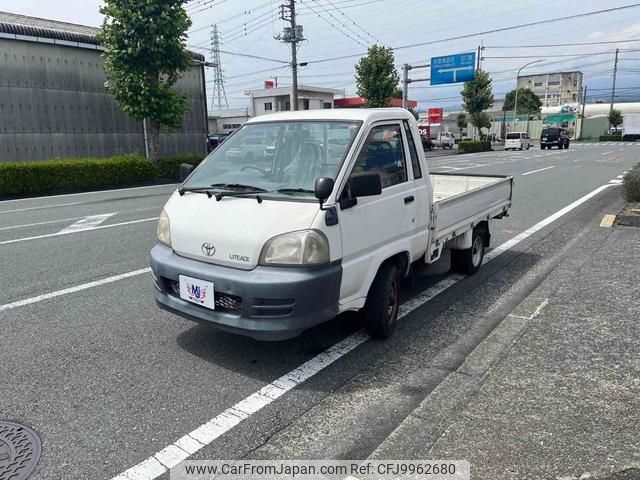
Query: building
x,y
279,99
226,121
359,102
554,89
53,102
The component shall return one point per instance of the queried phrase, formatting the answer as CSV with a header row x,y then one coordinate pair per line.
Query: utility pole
x,y
584,105
406,81
615,73
219,94
292,35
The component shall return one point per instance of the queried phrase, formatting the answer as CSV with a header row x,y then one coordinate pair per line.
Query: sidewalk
x,y
554,391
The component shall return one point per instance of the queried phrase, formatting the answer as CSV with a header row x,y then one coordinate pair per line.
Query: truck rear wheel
x,y
469,261
383,302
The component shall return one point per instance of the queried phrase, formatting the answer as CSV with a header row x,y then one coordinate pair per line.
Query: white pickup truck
x,y
327,226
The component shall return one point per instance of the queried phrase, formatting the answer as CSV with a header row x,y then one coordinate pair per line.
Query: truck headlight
x,y
306,247
164,229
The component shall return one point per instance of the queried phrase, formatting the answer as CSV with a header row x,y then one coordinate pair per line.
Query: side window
x,y
415,160
383,152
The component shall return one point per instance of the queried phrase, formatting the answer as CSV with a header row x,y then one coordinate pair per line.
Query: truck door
x,y
376,227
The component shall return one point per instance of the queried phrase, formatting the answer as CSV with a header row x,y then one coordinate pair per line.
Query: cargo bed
x,y
462,201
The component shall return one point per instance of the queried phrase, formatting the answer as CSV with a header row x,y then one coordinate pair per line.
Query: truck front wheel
x,y
469,261
383,302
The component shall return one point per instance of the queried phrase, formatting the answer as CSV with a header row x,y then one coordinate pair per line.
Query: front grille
x,y
224,302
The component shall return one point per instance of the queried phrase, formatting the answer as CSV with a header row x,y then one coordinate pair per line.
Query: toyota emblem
x,y
208,249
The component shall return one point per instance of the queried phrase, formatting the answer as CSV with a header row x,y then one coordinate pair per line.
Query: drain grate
x,y
19,451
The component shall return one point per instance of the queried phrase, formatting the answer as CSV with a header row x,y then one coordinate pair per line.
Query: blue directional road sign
x,y
453,68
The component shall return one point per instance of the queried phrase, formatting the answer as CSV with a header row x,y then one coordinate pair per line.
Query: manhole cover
x,y
19,451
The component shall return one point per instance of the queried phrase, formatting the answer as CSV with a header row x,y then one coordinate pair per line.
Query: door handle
x,y
409,199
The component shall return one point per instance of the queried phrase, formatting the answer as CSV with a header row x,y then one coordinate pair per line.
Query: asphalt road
x,y
108,380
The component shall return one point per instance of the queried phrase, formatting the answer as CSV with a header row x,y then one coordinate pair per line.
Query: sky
x,y
335,28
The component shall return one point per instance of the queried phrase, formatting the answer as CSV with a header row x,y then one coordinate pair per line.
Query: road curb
x,y
430,420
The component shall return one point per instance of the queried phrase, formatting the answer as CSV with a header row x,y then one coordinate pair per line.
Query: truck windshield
x,y
281,158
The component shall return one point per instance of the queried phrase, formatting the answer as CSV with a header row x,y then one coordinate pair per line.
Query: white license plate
x,y
197,291
544,138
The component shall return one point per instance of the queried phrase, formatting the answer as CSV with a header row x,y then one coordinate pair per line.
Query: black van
x,y
554,137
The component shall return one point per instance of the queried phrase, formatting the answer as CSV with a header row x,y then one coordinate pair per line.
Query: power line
x,y
353,21
487,32
334,26
564,44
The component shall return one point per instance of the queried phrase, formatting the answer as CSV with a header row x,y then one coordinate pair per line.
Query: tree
x,y
481,120
376,76
615,118
528,102
477,97
413,112
461,122
145,52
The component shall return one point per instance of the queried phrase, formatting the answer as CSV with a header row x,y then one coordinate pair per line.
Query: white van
x,y
326,227
517,140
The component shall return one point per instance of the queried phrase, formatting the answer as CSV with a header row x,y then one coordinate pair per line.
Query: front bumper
x,y
266,303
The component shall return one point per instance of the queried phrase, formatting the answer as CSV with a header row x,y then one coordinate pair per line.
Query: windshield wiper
x,y
206,190
237,186
294,190
238,190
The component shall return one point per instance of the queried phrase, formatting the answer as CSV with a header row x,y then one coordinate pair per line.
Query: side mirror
x,y
185,171
365,184
323,188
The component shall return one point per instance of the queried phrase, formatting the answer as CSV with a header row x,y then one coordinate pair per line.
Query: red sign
x,y
434,115
269,84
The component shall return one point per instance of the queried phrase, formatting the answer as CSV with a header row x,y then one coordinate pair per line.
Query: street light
x,y
515,103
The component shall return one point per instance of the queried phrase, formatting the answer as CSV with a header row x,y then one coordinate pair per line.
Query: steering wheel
x,y
253,167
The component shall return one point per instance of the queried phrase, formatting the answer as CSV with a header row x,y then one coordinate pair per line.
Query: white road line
x,y
67,291
71,219
87,223
42,207
606,153
539,170
49,235
89,193
540,225
62,220
170,456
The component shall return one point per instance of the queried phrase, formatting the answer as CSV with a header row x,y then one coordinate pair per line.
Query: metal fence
x,y
53,104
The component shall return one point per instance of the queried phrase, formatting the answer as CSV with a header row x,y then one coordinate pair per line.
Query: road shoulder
x,y
554,390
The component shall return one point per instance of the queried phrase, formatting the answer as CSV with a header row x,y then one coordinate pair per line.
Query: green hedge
x,y
72,174
609,138
631,184
470,147
169,167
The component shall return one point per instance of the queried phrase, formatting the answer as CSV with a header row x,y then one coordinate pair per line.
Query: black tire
x,y
383,302
566,146
470,260
542,147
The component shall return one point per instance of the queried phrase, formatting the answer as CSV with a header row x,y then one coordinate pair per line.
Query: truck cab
x,y
327,226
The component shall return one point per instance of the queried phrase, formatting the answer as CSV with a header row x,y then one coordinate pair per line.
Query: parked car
x,y
517,141
248,149
307,239
554,137
214,140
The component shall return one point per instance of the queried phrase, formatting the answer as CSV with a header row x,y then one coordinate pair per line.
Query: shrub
x,y
609,138
631,184
470,147
169,167
24,178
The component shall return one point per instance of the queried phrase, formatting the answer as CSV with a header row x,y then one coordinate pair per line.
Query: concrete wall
x,y
53,104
